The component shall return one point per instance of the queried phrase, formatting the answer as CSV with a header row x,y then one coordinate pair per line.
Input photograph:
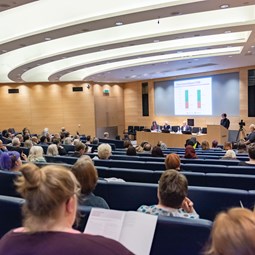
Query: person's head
x,y
131,151
104,151
95,140
162,145
157,152
252,127
205,145
76,141
139,148
251,151
184,123
147,147
52,150
172,189
81,148
28,143
241,147
214,144
190,152
35,152
10,160
15,142
34,140
43,139
88,138
50,194
189,142
68,140
20,137
127,143
86,174
230,154
173,161
106,135
227,146
233,233
223,115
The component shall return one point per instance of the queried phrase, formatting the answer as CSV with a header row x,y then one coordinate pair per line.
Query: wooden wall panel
x,y
109,108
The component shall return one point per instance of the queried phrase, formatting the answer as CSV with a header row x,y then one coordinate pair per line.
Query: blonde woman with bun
x,y
51,195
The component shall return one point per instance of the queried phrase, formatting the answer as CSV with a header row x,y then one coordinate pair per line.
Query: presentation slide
x,y
193,96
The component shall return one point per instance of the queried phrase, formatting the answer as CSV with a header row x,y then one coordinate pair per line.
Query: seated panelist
x,y
154,126
166,126
185,127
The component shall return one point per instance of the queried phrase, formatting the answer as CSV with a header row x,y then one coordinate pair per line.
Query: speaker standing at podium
x,y
224,121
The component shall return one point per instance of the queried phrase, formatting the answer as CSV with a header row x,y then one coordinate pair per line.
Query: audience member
x,y
190,152
233,233
241,148
214,144
251,137
61,149
87,176
205,145
68,140
162,145
131,151
147,148
251,153
173,161
230,154
52,150
157,152
104,151
127,144
28,144
80,149
34,140
2,146
43,140
106,135
10,161
227,146
139,149
95,140
196,144
36,154
88,139
49,213
172,196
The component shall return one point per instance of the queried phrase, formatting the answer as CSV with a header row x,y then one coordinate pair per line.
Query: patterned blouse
x,y
155,210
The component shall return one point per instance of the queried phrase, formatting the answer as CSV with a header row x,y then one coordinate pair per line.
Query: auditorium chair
x,y
10,213
7,179
195,130
175,236
175,128
204,130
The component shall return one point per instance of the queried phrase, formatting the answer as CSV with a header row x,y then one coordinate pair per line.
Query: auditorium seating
x,y
208,201
117,143
10,213
7,187
175,236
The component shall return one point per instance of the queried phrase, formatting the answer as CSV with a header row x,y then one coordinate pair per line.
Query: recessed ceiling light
x,y
230,56
47,38
119,23
156,41
224,6
227,32
253,46
3,51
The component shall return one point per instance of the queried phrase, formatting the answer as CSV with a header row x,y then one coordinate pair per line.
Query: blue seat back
x,y
7,187
10,213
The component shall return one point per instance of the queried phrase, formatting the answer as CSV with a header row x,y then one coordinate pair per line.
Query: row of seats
x,y
208,201
235,181
187,236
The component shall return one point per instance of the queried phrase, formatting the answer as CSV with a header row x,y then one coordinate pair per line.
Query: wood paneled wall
x,y
48,105
133,104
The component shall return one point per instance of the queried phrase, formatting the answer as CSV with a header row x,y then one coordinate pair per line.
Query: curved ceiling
x,y
109,41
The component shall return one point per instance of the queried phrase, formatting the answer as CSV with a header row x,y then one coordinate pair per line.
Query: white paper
x,y
134,230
